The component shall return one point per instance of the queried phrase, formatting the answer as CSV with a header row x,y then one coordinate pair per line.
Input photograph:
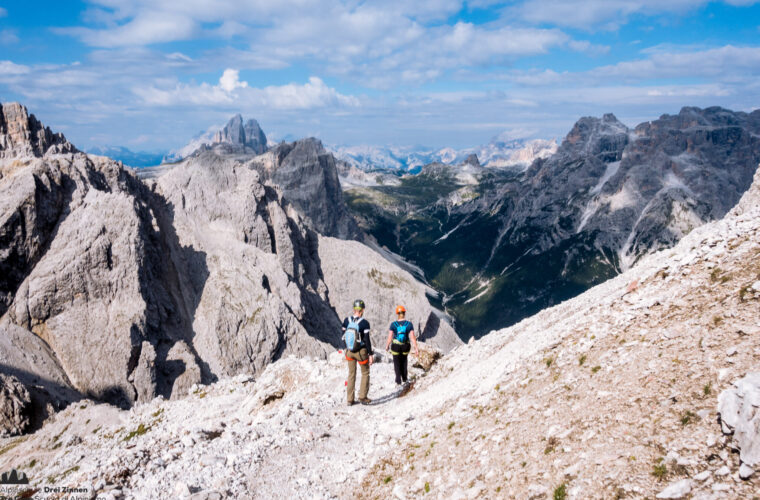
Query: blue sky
x,y
149,74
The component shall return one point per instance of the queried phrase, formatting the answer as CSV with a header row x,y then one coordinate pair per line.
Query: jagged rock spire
x,y
21,134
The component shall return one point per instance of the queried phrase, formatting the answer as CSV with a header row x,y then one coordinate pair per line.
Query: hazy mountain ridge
x,y
499,153
127,156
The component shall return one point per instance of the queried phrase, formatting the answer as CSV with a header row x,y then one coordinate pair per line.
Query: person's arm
x,y
414,341
390,339
368,341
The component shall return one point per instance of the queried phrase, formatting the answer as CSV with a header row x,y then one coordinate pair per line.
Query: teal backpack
x,y
401,336
353,336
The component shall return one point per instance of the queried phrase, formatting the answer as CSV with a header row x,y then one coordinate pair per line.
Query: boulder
x,y
15,406
678,489
144,378
428,357
739,411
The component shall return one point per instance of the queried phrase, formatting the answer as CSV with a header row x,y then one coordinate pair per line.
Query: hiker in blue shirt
x,y
399,334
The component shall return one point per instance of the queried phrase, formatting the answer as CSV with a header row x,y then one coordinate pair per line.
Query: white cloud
x,y
8,37
3,12
11,68
231,91
724,62
375,43
604,14
144,29
230,80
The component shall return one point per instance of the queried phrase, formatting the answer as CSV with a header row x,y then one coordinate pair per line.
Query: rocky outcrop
x,y
303,170
15,406
251,284
22,135
353,271
739,410
308,177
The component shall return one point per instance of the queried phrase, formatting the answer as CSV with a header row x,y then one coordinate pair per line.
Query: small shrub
x,y
560,492
451,424
707,389
548,362
717,320
686,418
551,445
660,471
387,479
427,487
596,369
141,429
581,360
157,412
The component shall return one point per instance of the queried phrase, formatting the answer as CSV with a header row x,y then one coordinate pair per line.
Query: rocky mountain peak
x,y
591,135
238,133
22,135
691,117
472,160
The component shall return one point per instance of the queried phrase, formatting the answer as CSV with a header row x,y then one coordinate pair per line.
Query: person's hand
x,y
371,359
417,353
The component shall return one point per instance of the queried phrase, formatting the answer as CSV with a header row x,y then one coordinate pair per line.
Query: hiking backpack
x,y
353,336
401,334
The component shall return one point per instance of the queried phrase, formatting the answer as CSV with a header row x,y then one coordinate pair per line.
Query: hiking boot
x,y
365,401
351,403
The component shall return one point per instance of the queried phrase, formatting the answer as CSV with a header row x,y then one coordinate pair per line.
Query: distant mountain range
x,y
498,153
129,157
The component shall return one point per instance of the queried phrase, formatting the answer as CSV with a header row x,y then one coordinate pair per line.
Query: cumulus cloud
x,y
230,90
230,80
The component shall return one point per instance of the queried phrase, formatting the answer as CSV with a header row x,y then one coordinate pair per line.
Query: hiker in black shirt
x,y
356,328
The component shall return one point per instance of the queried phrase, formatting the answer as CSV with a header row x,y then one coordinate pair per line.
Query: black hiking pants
x,y
400,354
399,365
